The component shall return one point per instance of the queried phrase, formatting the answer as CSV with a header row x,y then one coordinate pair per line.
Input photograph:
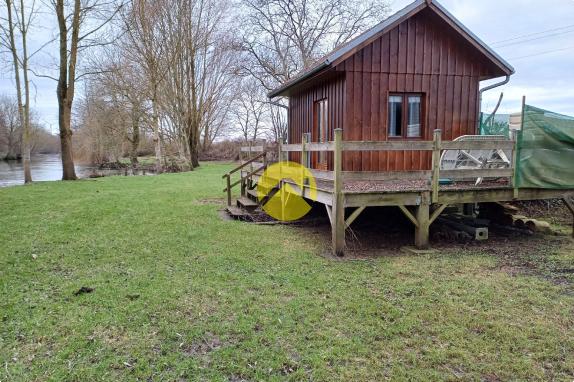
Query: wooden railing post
x,y
436,165
515,158
228,178
338,204
304,154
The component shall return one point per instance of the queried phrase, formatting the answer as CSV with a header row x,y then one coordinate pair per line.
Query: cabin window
x,y
405,115
321,118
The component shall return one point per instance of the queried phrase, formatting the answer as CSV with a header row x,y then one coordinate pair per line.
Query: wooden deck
x,y
418,194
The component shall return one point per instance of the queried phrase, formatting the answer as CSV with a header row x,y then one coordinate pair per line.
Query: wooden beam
x,y
354,215
384,176
516,155
291,147
409,215
320,146
379,199
329,213
436,213
387,146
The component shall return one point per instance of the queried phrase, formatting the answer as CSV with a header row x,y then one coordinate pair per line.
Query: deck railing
x,y
436,146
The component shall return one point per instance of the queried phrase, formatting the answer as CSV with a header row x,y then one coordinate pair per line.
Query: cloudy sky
x,y
536,37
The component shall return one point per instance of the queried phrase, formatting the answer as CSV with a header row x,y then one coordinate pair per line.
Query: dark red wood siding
x,y
420,55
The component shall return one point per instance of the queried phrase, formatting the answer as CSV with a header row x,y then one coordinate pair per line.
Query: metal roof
x,y
398,17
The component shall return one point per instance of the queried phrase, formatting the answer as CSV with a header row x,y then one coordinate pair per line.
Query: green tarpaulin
x,y
545,157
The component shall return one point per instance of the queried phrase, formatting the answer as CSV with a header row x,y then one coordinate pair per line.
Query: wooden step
x,y
253,194
247,204
236,212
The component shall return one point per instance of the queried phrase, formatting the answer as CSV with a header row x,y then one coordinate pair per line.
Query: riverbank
x,y
138,278
48,167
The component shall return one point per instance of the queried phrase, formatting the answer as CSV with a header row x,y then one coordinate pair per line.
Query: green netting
x,y
495,125
545,157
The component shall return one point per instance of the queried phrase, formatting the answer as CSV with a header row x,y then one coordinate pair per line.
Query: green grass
x,y
180,294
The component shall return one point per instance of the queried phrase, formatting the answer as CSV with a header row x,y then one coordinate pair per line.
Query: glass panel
x,y
395,116
414,120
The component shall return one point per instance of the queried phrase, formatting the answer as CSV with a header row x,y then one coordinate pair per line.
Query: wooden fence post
x,y
515,158
304,154
228,177
437,137
338,204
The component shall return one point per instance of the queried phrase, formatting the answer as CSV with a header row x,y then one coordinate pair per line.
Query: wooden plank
x,y
380,200
328,146
477,173
323,174
385,176
387,146
291,147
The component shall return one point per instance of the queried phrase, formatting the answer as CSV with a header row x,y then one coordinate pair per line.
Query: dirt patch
x,y
552,210
203,346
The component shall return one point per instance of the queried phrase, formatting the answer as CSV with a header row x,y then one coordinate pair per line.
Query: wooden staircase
x,y
248,202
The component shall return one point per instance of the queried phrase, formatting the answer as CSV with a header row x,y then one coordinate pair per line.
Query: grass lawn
x,y
180,294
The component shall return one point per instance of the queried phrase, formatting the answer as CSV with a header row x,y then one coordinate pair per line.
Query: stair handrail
x,y
242,179
263,154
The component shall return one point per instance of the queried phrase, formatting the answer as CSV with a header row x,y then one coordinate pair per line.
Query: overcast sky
x,y
544,62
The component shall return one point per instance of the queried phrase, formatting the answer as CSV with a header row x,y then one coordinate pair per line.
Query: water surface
x,y
45,167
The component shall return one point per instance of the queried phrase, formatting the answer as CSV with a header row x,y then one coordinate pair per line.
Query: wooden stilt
x,y
338,209
423,219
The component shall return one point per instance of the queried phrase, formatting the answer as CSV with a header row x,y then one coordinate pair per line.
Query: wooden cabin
x,y
380,111
417,71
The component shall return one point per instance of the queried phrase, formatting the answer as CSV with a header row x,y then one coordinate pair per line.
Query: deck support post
x,y
422,230
570,204
338,209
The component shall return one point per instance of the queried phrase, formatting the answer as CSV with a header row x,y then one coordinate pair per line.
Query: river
x,y
45,167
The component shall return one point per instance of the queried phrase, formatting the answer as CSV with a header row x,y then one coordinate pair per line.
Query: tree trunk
x,y
64,120
135,141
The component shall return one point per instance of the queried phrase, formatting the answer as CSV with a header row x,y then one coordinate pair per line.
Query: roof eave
x,y
288,85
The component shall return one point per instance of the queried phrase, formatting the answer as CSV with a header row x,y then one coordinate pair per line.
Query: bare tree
x,y
278,116
145,44
283,37
201,70
18,21
10,131
81,25
250,109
